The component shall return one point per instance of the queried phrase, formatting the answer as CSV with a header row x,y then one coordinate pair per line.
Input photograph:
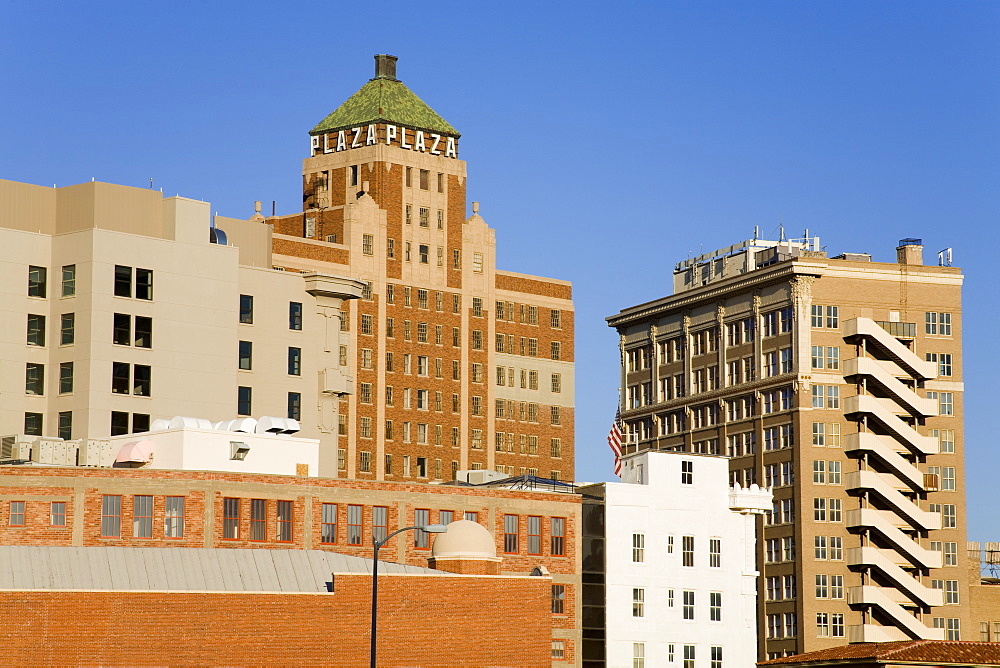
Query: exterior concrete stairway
x,y
882,560
864,366
879,521
881,598
872,406
871,480
890,345
883,447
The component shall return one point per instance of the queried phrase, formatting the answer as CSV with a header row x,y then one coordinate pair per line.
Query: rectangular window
x,y
144,284
34,379
558,536
230,519
246,355
67,329
65,377
57,513
715,606
258,520
142,516
715,553
173,517
328,527
119,423
716,657
37,278
638,602
295,315
246,309
367,244
284,521
141,380
17,513
111,516
687,551
69,280
36,330
510,534
689,656
295,405
638,548
244,397
688,605
687,472
294,361
558,599
354,520
421,517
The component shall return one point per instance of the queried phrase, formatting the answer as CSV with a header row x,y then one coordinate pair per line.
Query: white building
x,y
675,548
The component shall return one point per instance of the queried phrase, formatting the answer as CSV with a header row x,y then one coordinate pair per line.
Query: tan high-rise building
x,y
458,365
838,382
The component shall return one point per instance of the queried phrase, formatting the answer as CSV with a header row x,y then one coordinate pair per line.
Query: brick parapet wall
x,y
471,625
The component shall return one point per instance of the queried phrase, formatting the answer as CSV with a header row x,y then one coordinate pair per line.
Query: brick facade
x,y
471,625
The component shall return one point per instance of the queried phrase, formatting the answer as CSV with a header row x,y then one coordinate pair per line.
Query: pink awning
x,y
136,451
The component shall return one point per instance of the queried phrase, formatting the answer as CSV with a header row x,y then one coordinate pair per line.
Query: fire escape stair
x,y
890,346
880,521
903,395
883,599
884,448
874,482
870,405
883,561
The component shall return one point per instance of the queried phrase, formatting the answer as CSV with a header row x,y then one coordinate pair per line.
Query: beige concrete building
x,y
122,306
836,381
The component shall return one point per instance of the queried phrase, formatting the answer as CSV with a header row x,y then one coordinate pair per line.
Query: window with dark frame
x,y
119,423
421,539
37,279
36,330
121,333
558,537
33,424
244,400
295,315
67,329
69,280
380,522
295,405
294,361
246,309
123,281
246,355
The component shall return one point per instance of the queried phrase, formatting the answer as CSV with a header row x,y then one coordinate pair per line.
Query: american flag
x,y
615,441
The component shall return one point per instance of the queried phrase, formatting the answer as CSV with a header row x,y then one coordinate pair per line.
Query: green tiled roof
x,y
384,100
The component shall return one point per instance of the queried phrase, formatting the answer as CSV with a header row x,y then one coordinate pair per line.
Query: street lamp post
x,y
376,544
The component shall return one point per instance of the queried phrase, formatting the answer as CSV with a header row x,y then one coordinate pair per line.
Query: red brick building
x,y
69,506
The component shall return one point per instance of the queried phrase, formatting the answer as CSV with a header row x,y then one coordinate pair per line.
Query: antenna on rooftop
x,y
756,232
151,183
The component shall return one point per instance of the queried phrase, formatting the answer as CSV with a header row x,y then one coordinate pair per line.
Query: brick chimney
x,y
385,66
910,251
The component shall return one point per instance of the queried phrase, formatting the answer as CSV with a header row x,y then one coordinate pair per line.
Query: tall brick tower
x,y
455,365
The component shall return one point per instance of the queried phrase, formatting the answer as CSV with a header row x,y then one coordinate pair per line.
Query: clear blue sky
x,y
657,129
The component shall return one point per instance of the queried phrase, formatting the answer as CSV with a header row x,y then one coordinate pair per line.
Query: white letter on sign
x,y
434,146
370,141
314,144
326,144
419,143
356,142
341,141
402,139
451,151
390,134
